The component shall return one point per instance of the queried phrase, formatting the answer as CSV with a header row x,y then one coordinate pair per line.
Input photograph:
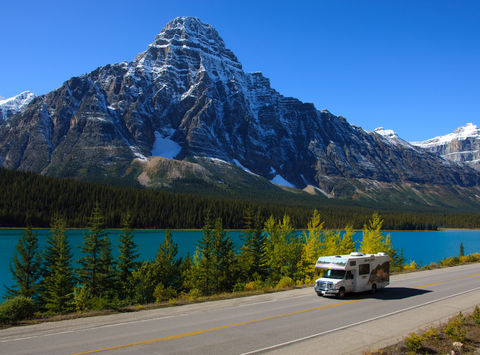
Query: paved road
x,y
289,322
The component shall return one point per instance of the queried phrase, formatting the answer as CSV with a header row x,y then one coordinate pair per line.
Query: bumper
x,y
326,292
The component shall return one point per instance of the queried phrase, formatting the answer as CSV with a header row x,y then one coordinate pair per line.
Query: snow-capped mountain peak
x,y
387,133
461,133
12,105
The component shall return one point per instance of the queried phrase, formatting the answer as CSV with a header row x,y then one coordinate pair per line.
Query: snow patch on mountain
x,y
165,147
391,136
279,180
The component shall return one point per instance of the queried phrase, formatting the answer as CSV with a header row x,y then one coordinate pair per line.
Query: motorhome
x,y
356,272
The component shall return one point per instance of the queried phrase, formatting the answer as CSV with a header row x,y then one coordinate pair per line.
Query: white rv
x,y
357,272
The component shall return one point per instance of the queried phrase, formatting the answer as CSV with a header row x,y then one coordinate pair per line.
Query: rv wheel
x,y
341,293
374,288
319,294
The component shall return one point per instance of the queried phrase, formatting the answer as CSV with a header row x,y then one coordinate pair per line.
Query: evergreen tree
x,y
167,264
58,278
252,251
96,270
462,251
26,267
204,259
224,272
127,258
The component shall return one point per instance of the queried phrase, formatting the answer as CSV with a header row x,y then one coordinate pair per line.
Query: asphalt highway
x,y
296,321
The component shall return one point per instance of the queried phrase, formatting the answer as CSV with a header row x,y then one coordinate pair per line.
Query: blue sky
x,y
411,66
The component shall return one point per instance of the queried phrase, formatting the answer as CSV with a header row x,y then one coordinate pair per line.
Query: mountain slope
x,y
187,97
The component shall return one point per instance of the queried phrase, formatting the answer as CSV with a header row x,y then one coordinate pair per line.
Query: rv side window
x,y
353,263
364,269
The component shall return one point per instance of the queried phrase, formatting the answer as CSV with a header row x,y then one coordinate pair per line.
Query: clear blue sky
x,y
411,66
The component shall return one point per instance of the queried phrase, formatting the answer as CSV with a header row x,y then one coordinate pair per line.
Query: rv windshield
x,y
334,274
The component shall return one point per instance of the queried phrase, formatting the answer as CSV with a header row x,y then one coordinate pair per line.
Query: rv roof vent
x,y
381,253
338,256
356,253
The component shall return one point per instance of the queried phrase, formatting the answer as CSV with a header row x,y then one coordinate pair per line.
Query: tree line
x,y
273,254
32,199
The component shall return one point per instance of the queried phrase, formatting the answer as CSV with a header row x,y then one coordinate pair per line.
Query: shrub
x,y
239,286
414,342
193,294
476,315
15,309
82,298
455,329
285,282
164,294
431,333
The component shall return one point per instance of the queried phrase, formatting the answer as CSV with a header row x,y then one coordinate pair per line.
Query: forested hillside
x,y
31,199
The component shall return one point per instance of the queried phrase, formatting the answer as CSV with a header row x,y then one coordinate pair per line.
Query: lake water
x,y
422,247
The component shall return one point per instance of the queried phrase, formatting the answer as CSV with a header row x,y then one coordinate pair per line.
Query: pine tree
x,y
58,278
252,251
224,272
462,251
26,267
167,264
204,259
373,240
96,270
127,258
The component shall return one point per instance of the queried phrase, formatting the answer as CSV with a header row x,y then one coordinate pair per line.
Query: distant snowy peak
x,y
391,136
462,133
12,105
463,145
387,133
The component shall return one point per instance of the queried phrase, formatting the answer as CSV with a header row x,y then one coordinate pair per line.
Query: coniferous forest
x,y
30,199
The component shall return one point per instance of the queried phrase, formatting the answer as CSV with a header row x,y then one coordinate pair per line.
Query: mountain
x,y
9,107
184,114
463,145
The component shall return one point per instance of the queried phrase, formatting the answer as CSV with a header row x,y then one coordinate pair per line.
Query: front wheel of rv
x,y
374,288
341,292
319,294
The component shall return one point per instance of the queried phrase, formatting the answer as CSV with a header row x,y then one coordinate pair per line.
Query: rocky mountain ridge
x,y
187,99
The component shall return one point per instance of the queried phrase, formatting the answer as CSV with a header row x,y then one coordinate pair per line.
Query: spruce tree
x,y
252,251
96,270
204,259
58,278
313,247
127,258
462,251
26,266
224,272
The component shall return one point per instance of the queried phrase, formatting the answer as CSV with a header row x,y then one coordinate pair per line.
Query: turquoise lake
x,y
423,247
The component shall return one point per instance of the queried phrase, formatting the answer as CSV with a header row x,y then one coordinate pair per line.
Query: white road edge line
x,y
357,323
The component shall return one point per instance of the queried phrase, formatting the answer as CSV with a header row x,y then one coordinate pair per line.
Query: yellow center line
x,y
184,335
178,336
442,282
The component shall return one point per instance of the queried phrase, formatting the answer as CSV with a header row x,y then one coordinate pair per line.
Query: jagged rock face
x,y
463,145
9,107
189,88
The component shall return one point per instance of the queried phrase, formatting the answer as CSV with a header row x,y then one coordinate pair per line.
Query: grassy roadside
x,y
183,299
459,335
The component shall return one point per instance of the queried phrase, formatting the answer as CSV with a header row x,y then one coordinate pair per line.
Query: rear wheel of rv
x,y
341,292
374,288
